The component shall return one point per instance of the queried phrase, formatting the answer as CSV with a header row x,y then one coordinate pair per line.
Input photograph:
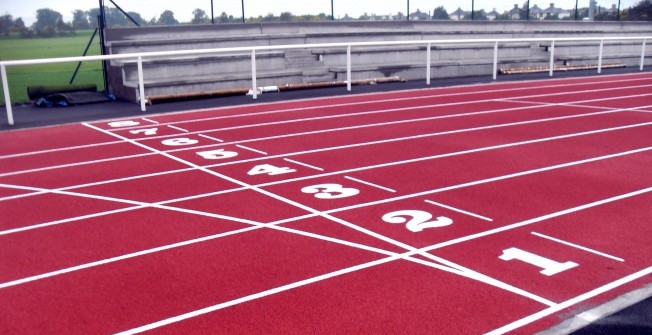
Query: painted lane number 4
x,y
419,221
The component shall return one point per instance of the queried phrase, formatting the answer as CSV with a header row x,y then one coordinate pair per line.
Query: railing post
x,y
141,85
600,57
642,55
428,65
552,58
254,88
348,67
495,60
5,86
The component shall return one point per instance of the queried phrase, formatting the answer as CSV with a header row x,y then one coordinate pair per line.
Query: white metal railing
x,y
139,57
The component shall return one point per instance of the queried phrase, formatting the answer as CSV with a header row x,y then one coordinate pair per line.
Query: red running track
x,y
500,208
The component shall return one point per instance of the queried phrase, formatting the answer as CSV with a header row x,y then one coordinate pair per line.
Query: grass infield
x,y
20,77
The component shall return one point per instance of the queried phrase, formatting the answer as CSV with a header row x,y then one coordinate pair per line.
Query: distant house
x,y
492,15
458,14
419,15
537,13
552,10
515,13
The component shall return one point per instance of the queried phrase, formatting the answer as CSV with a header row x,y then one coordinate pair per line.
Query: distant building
x,y
492,15
537,13
458,14
515,13
552,10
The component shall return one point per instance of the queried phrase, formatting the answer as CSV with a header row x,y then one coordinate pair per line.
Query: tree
x,y
199,17
478,15
642,11
6,23
46,22
80,20
286,17
167,19
440,13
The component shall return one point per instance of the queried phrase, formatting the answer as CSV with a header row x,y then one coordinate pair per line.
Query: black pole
x,y
472,10
125,13
618,12
332,12
527,13
576,10
101,24
408,8
243,17
212,15
84,55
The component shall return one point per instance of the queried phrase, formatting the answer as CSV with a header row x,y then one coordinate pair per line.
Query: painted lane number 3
x,y
330,191
419,220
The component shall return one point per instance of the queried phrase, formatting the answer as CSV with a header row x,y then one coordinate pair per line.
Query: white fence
x,y
429,43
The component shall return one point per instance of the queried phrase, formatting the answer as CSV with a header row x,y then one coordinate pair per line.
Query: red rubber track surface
x,y
485,209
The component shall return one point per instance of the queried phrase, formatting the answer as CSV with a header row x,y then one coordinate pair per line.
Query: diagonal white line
x,y
578,246
459,210
251,149
210,138
177,128
370,184
304,164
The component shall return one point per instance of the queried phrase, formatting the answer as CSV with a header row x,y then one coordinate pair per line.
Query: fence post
x,y
254,88
495,60
600,57
552,58
348,67
141,84
643,55
5,86
428,65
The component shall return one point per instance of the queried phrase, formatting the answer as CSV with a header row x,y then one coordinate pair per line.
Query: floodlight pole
x,y
212,15
332,12
618,12
243,15
527,13
576,10
408,10
101,24
472,10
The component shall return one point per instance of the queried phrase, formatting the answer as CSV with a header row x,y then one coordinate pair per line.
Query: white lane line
x,y
460,211
148,120
304,164
22,154
578,246
420,97
568,303
250,149
177,128
370,184
211,138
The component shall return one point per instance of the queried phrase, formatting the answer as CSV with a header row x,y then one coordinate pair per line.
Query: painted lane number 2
x,y
419,220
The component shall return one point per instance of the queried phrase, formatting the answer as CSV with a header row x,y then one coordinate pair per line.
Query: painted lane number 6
x,y
330,191
420,220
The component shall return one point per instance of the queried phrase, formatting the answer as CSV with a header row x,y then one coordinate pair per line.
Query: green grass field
x,y
20,77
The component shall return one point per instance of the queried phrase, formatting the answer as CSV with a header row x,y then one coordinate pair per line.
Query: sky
x,y
26,9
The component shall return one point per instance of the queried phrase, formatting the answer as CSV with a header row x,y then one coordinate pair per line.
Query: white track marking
x,y
578,247
177,128
552,309
568,303
384,111
466,272
345,128
149,120
251,149
371,184
380,101
210,138
491,180
95,145
459,210
303,164
327,106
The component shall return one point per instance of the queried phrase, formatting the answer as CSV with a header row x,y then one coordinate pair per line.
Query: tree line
x,y
49,23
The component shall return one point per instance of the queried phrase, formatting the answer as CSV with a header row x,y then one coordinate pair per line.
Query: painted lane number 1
x,y
549,266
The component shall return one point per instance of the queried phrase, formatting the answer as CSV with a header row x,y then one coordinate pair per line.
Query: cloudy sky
x,y
183,9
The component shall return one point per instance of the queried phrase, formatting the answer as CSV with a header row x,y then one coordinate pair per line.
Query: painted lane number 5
x,y
330,191
419,221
